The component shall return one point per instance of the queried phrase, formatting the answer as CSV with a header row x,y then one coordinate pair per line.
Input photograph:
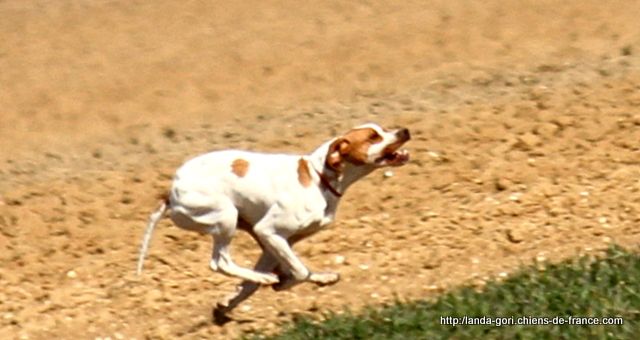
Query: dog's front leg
x,y
278,246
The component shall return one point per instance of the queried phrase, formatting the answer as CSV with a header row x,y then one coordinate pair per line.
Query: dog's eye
x,y
375,137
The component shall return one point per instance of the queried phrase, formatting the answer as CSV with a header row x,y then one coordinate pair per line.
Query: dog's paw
x,y
324,279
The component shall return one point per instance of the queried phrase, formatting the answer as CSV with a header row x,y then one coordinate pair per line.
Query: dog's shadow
x,y
220,318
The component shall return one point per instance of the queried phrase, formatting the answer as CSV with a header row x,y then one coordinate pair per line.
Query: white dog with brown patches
x,y
278,199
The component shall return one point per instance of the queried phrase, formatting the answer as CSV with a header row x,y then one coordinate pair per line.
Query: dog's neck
x,y
339,181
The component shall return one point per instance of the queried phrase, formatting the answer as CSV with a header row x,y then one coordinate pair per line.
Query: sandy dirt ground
x,y
525,117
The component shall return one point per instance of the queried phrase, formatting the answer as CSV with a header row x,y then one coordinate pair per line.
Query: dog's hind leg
x,y
221,261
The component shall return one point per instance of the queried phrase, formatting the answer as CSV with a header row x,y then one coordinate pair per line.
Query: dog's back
x,y
253,181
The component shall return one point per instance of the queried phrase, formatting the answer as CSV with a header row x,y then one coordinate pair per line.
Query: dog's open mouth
x,y
394,158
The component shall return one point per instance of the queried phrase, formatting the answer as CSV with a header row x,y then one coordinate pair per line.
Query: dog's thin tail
x,y
154,218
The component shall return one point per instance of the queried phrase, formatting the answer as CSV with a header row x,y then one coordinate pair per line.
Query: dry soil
x,y
525,117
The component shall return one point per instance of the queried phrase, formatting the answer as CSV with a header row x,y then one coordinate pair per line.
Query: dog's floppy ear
x,y
337,151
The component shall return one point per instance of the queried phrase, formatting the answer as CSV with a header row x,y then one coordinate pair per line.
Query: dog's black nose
x,y
403,134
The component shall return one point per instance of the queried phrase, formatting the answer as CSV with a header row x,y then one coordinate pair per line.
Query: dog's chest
x,y
307,231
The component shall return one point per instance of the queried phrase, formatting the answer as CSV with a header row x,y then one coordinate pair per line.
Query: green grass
x,y
605,287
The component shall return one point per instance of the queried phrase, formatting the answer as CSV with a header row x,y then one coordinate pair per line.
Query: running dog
x,y
278,199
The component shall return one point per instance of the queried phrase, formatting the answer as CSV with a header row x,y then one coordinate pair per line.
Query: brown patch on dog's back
x,y
240,167
304,176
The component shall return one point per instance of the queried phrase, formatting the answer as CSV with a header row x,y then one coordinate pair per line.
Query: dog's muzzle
x,y
403,135
392,155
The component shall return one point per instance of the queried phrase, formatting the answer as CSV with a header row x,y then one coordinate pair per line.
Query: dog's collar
x,y
327,184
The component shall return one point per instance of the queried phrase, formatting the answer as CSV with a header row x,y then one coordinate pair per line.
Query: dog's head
x,y
369,146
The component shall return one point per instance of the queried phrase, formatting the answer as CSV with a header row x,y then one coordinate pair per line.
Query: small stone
x,y
529,140
363,266
515,197
375,295
388,174
72,274
340,259
503,275
491,200
245,308
475,260
602,220
502,184
365,219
